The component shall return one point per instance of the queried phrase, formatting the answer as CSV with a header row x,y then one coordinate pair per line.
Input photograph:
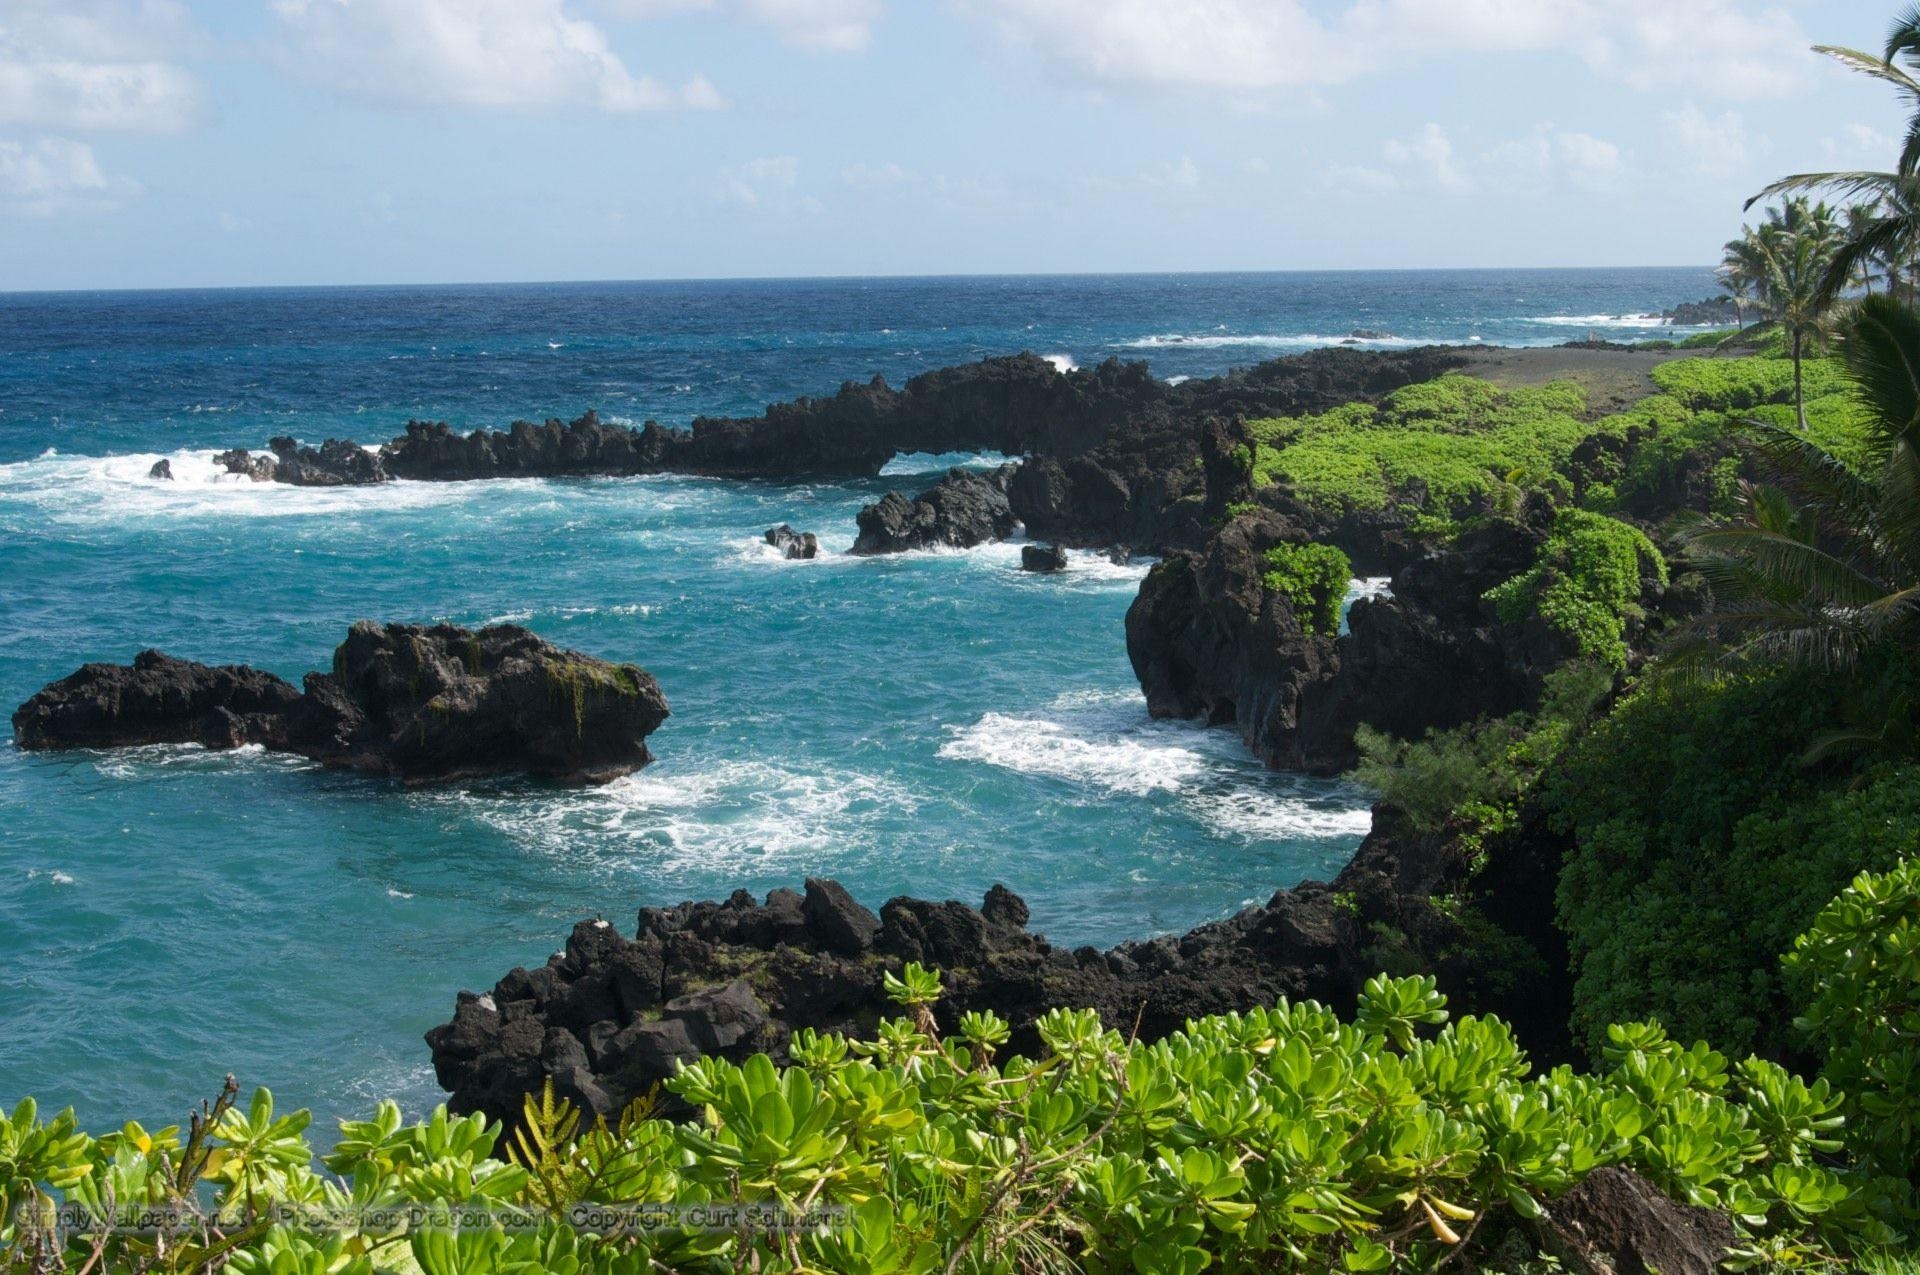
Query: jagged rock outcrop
x,y
335,463
965,508
739,976
1043,558
240,461
1110,449
793,544
421,704
1209,640
1707,312
156,700
162,469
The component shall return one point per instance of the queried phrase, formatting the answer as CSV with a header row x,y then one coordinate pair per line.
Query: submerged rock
x,y
421,704
793,544
1043,558
162,469
965,508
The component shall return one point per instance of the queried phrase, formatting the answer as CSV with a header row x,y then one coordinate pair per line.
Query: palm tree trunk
x,y
1799,401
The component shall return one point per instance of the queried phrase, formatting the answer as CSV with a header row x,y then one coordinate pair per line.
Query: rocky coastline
x,y
615,1012
420,704
1107,452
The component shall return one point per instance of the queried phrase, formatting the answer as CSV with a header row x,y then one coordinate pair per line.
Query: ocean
x,y
926,724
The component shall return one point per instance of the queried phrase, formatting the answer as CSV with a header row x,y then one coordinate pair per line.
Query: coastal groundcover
x,y
1282,1138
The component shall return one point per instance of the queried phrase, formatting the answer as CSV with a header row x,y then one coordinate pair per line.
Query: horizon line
x,y
826,278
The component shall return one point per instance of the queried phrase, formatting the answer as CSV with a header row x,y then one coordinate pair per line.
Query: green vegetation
x,y
1443,447
1702,845
1783,268
1314,578
1858,974
1586,583
1283,1137
1823,569
1475,774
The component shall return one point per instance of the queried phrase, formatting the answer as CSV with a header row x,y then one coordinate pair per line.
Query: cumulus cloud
x,y
1715,145
526,54
1241,45
1430,160
770,183
97,65
1427,157
56,175
837,26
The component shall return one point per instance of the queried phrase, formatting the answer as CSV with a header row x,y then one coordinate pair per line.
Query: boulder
x,y
335,463
1043,558
240,461
418,703
1615,1222
156,700
835,920
793,544
162,469
965,508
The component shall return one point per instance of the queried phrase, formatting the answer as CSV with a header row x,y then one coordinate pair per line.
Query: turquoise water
x,y
927,724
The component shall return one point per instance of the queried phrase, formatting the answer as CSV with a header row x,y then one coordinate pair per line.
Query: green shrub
x,y
1857,972
1701,846
1585,583
1477,772
1736,384
1282,1138
1315,579
1442,447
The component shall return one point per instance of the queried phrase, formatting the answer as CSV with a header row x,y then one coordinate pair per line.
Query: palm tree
x,y
1784,263
1825,567
1892,233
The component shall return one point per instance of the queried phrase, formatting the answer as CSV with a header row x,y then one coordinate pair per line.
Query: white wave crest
x,y
910,463
734,815
1105,741
1062,363
1261,340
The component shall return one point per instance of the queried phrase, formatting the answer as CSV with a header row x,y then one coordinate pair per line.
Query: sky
x,y
168,143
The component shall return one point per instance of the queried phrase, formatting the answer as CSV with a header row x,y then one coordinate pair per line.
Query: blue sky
x,y
154,143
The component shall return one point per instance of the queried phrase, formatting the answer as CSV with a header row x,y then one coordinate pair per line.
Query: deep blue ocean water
x,y
927,724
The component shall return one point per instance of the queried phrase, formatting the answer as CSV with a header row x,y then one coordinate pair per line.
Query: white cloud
x,y
1860,144
96,65
1714,145
1589,161
876,176
1430,161
1706,46
837,26
55,175
483,53
1241,45
1428,157
771,183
